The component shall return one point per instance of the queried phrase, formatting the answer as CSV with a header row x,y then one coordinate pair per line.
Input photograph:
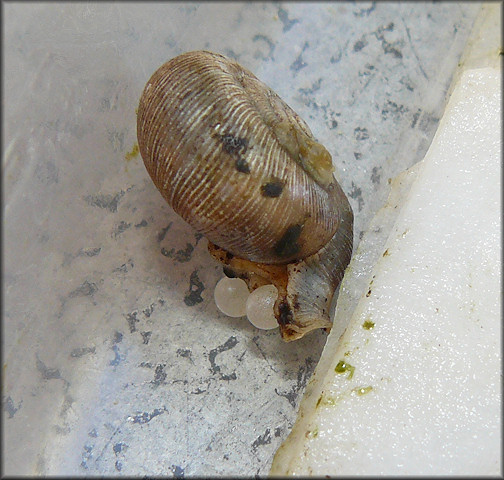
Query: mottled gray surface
x,y
115,358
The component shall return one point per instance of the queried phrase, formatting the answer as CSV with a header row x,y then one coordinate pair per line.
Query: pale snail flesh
x,y
240,166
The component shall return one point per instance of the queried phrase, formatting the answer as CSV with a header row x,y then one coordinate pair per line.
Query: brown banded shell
x,y
240,166
229,156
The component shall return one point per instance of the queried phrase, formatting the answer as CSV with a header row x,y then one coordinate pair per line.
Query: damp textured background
x,y
115,358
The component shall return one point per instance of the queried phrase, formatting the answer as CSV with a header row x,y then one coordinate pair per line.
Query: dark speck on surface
x,y
143,223
108,202
132,320
47,373
79,352
375,175
10,408
315,86
117,357
146,417
359,45
86,455
196,287
268,42
388,47
125,267
356,193
392,109
119,447
304,373
263,439
86,289
284,18
121,227
163,232
178,472
230,343
148,311
180,256
416,116
361,133
89,252
299,63
159,375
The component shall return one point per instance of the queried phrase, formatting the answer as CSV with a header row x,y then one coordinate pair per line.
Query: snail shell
x,y
240,166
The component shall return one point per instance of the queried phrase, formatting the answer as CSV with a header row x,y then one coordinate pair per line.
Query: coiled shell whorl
x,y
235,161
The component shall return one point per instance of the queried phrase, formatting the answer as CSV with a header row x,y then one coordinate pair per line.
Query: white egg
x,y
260,307
230,296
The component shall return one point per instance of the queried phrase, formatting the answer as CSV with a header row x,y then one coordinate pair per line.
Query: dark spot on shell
x,y
287,245
234,145
242,166
229,256
272,189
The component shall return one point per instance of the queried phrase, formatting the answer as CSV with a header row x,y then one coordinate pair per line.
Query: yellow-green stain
x,y
343,367
312,433
134,152
362,390
368,325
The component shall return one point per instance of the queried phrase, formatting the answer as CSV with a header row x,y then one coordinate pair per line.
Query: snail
x,y
242,168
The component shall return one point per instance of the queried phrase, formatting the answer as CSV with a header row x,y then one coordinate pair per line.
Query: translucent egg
x,y
260,307
230,296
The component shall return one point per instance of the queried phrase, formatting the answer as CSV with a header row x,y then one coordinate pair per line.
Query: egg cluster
x,y
232,298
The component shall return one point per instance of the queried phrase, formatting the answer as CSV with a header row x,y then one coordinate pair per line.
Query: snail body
x,y
240,166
